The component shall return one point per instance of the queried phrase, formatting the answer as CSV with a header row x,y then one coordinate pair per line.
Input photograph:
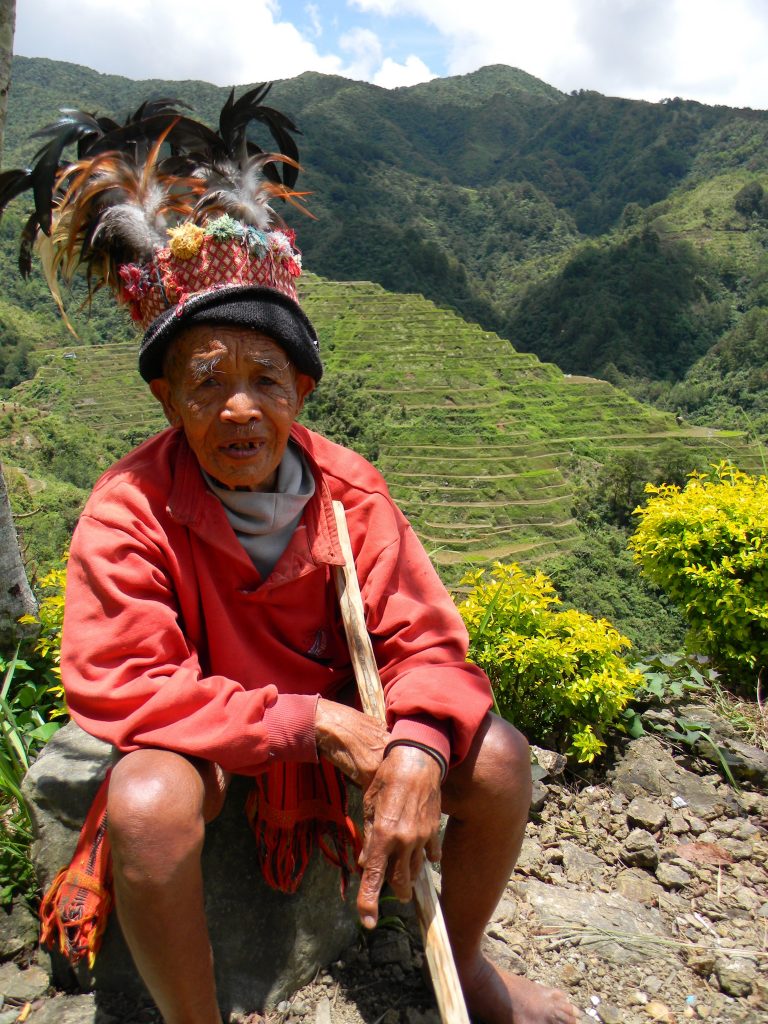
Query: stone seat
x,y
266,945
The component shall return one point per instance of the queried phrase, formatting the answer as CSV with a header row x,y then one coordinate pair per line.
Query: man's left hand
x,y
401,813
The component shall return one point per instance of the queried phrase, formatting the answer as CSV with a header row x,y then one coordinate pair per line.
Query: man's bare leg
x,y
158,805
487,797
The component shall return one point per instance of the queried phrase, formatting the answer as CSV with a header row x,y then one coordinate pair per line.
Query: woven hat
x,y
168,214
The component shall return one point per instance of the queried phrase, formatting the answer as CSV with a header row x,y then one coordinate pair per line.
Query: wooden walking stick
x,y
442,969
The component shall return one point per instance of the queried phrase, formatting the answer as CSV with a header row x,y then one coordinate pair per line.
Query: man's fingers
x,y
368,894
434,848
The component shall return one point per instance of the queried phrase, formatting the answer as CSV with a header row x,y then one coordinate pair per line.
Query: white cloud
x,y
313,13
174,39
412,71
364,52
711,50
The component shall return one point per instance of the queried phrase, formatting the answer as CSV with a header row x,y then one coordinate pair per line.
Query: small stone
x,y
736,975
653,985
704,1011
323,1011
697,826
283,1006
646,814
659,1011
610,1014
678,825
570,976
640,849
738,849
390,947
636,885
638,998
672,877
689,1013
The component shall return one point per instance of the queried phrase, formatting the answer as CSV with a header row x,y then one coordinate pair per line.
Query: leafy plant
x,y
23,732
706,545
558,675
31,702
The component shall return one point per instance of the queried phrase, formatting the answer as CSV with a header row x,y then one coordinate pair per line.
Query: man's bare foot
x,y
495,997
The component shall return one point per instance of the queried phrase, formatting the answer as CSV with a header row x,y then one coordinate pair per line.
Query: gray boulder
x,y
266,945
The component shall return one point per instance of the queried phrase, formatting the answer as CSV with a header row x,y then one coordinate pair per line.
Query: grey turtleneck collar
x,y
264,522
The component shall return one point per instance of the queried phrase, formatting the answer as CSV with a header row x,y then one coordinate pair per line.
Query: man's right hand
x,y
350,740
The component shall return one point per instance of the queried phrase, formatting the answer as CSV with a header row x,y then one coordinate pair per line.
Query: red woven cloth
x,y
292,809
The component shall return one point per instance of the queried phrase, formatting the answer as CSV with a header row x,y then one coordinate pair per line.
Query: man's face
x,y
235,394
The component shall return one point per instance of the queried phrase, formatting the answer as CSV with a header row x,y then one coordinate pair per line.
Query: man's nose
x,y
241,406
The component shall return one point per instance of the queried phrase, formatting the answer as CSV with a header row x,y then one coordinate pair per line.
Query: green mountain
x,y
599,233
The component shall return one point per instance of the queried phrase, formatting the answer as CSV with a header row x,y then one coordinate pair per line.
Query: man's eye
x,y
266,382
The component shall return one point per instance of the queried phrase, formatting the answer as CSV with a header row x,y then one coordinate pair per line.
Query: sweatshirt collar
x,y
192,504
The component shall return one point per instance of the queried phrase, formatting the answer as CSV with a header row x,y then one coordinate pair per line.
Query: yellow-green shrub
x,y
706,545
558,675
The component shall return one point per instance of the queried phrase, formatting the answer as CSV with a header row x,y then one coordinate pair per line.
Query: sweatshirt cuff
x,y
290,725
424,730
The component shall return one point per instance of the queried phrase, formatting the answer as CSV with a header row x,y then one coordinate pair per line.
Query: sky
x,y
715,51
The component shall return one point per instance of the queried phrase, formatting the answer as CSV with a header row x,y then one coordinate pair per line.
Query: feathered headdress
x,y
161,207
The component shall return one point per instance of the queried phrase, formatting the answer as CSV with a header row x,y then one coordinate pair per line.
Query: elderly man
x,y
202,638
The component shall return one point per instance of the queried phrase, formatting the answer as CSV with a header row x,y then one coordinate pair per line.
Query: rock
x,y
640,849
70,1010
735,974
580,865
591,915
23,986
635,884
672,877
539,795
610,1014
323,1011
657,1010
647,769
19,929
678,826
266,945
549,760
570,976
646,814
389,946
746,763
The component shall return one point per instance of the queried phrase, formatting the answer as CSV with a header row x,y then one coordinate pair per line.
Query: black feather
x,y
26,244
12,184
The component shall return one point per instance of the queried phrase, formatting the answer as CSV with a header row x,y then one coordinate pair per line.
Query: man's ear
x,y
305,385
161,389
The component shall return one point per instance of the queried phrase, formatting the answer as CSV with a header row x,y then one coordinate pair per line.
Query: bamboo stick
x,y
437,948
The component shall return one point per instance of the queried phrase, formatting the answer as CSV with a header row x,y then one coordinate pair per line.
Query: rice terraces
x,y
476,440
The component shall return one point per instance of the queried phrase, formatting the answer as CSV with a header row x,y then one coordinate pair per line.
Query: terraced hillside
x,y
478,441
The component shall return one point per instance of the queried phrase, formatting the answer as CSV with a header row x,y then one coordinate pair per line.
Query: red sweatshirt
x,y
172,639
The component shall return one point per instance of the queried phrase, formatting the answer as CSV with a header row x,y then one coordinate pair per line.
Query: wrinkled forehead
x,y
205,347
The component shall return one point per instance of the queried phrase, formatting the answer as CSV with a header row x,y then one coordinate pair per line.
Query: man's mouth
x,y
243,446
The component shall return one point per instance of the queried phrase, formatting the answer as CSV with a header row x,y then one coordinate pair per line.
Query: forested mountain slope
x,y
598,232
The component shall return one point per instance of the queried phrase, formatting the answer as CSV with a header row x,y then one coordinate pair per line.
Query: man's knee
x,y
155,814
497,768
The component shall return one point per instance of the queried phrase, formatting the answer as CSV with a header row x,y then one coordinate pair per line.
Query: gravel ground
x,y
642,890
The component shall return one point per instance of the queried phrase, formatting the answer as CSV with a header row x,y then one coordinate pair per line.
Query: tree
x,y
16,597
7,27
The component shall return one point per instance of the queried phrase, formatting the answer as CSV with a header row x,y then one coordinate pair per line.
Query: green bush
x,y
558,675
706,545
31,708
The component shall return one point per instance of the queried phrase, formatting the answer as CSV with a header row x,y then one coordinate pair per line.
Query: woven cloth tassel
x,y
75,910
294,808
